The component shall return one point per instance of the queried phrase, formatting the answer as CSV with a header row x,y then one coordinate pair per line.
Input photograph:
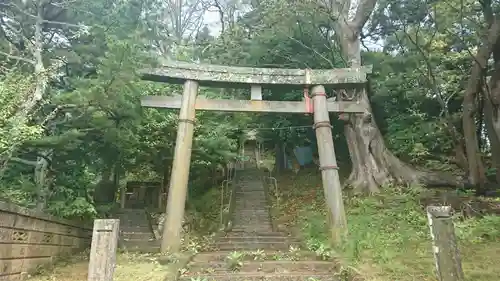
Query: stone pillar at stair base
x,y
171,238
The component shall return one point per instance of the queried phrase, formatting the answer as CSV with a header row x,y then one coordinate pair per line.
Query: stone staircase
x,y
136,234
252,250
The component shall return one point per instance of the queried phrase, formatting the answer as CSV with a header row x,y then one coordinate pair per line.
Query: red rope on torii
x,y
307,100
310,106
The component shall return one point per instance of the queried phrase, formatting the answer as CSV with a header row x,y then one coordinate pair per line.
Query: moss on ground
x,y
129,266
203,221
388,234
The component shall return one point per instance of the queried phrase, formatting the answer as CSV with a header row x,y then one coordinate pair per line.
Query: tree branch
x,y
313,50
23,161
17,58
363,13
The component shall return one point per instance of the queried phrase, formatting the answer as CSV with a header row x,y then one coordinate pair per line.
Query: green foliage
x,y
205,211
388,235
479,230
235,260
94,131
15,87
91,123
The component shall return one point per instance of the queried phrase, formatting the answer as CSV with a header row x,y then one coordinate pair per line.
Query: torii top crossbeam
x,y
233,76
256,79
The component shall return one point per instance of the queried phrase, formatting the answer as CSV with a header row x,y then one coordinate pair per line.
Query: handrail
x,y
223,191
232,200
276,191
226,214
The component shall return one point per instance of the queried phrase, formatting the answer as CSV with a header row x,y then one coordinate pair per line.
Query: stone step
x,y
137,236
249,208
249,212
253,239
252,211
267,227
132,218
246,211
126,213
252,216
258,228
141,246
251,221
253,194
248,188
220,256
250,192
136,229
251,205
147,237
235,233
252,276
248,196
135,223
249,245
248,224
250,199
131,215
268,266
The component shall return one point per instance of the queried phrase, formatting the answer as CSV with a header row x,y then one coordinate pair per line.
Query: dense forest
x,y
73,130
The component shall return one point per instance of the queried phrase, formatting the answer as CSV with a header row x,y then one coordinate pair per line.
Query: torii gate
x,y
195,75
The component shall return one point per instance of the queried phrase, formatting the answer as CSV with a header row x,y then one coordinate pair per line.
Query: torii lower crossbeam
x,y
248,105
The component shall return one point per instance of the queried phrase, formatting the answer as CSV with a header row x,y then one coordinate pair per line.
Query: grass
x,y
137,267
388,233
202,221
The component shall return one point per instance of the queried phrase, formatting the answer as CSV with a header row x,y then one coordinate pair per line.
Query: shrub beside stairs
x,y
251,250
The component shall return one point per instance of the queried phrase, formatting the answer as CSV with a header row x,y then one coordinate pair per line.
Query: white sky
x,y
211,18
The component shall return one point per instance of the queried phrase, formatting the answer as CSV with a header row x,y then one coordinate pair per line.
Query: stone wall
x,y
29,239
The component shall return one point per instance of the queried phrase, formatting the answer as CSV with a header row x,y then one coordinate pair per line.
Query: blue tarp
x,y
303,154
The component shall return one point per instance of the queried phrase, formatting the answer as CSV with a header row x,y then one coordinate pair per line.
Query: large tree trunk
x,y
489,120
491,94
373,164
41,180
476,166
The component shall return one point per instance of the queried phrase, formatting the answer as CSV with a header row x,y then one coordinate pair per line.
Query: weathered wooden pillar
x,y
328,164
444,244
171,239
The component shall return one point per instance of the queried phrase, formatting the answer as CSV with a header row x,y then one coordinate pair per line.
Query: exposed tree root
x,y
375,166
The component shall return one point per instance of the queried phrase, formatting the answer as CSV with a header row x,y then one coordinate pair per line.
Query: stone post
x,y
103,250
444,244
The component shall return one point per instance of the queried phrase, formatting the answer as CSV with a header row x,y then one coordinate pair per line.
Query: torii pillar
x,y
176,202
